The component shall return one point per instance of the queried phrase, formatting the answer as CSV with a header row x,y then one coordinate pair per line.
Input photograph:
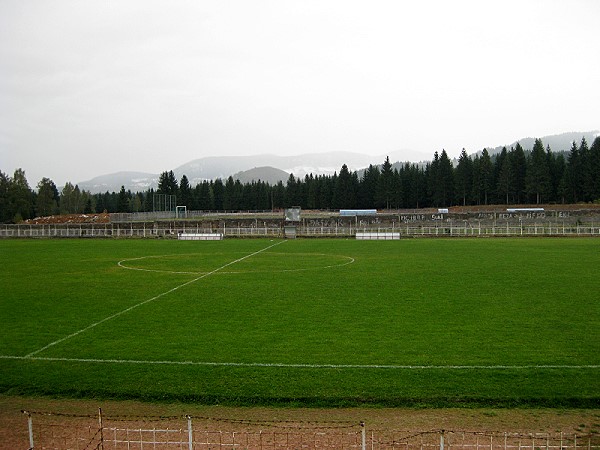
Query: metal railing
x,y
166,230
52,430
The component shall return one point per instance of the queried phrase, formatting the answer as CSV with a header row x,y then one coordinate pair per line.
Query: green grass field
x,y
487,322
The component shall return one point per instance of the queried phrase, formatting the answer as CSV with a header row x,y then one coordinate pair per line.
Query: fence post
x,y
363,433
101,428
30,428
190,433
442,440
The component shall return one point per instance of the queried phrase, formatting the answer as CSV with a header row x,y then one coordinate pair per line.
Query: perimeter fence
x,y
173,229
82,432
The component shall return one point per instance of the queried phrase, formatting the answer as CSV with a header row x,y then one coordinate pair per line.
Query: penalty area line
x,y
306,366
126,310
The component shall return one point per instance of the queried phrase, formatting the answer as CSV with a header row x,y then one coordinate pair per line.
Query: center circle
x,y
226,263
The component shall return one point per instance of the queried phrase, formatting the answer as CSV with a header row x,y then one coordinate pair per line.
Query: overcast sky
x,y
94,87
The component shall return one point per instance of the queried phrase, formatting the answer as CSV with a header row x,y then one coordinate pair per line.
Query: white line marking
x,y
306,366
147,301
349,260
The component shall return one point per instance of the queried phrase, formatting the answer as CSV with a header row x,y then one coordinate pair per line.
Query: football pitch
x,y
428,322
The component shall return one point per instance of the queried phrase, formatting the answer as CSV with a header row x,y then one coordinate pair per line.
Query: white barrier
x,y
377,235
200,236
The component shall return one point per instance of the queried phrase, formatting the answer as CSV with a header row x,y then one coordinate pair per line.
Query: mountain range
x,y
275,168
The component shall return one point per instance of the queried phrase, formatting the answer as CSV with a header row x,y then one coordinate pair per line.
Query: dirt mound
x,y
70,218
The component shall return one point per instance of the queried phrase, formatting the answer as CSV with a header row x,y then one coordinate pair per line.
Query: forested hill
x,y
513,176
245,169
557,142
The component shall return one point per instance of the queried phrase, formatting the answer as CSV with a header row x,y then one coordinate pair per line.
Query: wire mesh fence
x,y
63,431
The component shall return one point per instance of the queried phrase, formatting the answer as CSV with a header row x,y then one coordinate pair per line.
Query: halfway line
x,y
147,301
308,366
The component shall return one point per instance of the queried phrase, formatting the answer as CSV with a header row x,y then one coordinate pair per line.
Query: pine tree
x,y
587,176
385,187
229,203
463,178
218,191
573,175
312,196
4,200
344,193
444,181
518,163
123,202
556,168
505,179
595,168
368,187
538,173
47,198
185,193
167,183
21,196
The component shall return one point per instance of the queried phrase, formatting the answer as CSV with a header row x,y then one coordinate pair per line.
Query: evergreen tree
x,y
4,200
556,168
538,174
108,202
368,187
463,178
518,163
204,196
67,199
572,178
262,196
344,194
123,201
444,185
385,187
167,183
21,198
238,197
485,176
415,188
278,196
312,193
505,179
595,168
218,190
148,201
136,202
291,192
325,192
185,193
47,198
229,195
431,170
89,207
587,176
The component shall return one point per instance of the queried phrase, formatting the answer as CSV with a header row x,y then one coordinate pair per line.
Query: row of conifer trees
x,y
513,176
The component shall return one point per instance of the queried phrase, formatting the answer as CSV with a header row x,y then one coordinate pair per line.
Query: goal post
x,y
181,212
